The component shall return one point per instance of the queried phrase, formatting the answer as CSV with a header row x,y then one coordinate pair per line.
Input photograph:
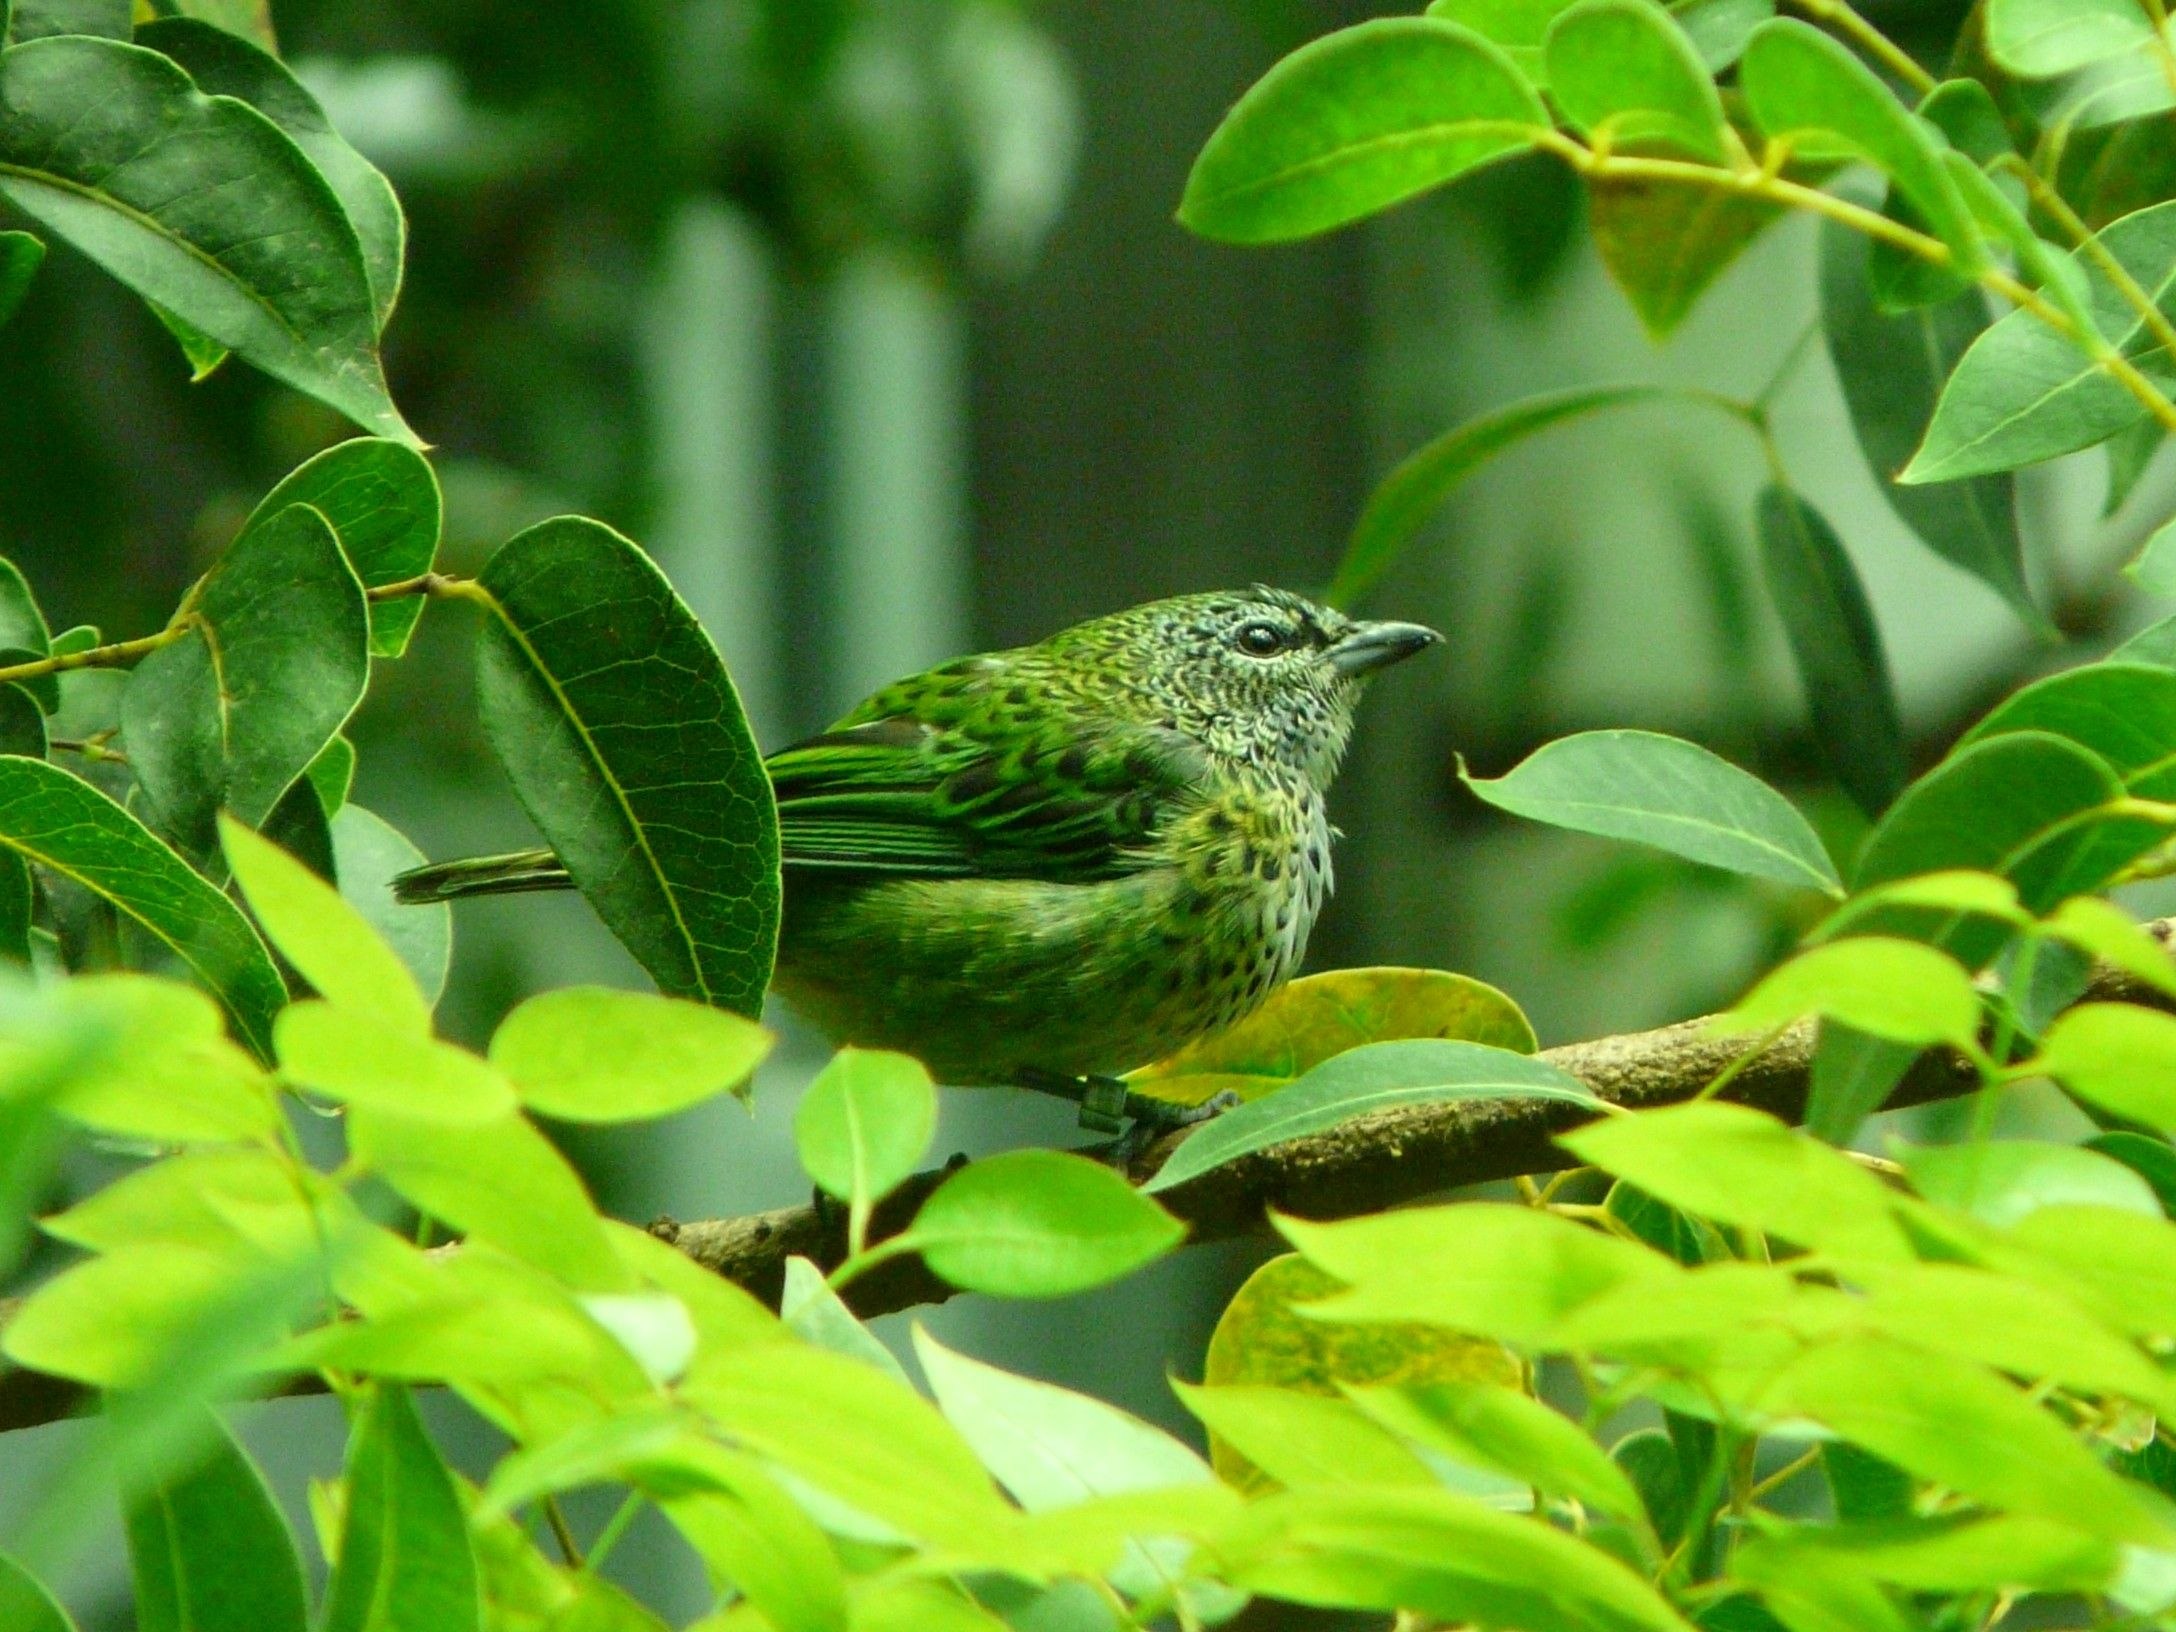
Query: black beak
x,y
1374,646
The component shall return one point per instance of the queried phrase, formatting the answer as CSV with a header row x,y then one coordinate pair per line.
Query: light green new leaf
x,y
114,149
1800,83
1841,666
217,1199
1493,1270
1672,794
864,1123
117,1321
2042,38
594,1054
1955,1553
2003,1180
324,937
1265,1437
1519,26
500,1180
1355,122
1741,1166
2105,931
368,852
1411,493
820,1315
354,1057
406,1561
624,737
209,1551
55,820
21,254
2117,1055
1624,73
1445,1556
1039,1224
231,715
1373,1077
1897,990
383,503
2025,393
165,1071
1490,1426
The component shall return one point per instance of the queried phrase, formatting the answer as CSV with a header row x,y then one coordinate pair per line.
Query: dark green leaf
x,y
224,64
406,1562
298,825
1863,1486
22,724
199,350
382,501
210,1552
1665,242
229,717
1355,122
1800,83
1663,1227
2123,712
2151,1159
21,254
1892,370
1898,280
1039,1224
1373,1077
624,737
1650,1463
25,1606
332,774
18,905
35,19
23,634
1672,794
54,820
367,852
148,189
1841,668
2024,393
1624,73
1410,494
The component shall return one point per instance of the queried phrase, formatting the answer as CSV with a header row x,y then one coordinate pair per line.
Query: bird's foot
x,y
1162,1117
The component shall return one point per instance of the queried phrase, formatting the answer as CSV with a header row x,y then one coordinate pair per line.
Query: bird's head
x,y
1258,675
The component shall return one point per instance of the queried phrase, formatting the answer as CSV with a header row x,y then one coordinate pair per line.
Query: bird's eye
x,y
1261,639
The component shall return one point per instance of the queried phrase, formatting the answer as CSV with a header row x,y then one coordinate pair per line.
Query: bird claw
x,y
1153,1118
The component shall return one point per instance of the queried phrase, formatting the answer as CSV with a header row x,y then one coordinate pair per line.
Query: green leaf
x,y
1519,26
1292,1438
501,1181
1490,1269
324,937
1672,794
818,1314
220,1199
273,270
1841,668
1954,1553
166,1071
209,1551
863,1124
355,1057
1898,990
35,19
25,1605
368,852
1052,1449
1038,1224
405,1557
1410,494
2024,393
1719,29
1624,73
2001,1181
1437,1554
620,728
382,501
1957,1425
1374,1077
199,350
2156,643
2120,1057
2042,38
1741,1166
2123,712
1317,1017
1664,242
53,820
21,254
331,775
120,1321
231,715
223,63
593,1054
299,828
1490,1426
1798,83
18,907
2130,455
2151,1159
22,723
1355,122
1892,369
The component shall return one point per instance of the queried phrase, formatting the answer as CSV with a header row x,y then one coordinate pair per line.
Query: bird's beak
x,y
1374,646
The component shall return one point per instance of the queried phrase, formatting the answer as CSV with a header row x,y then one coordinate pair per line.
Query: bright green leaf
x,y
2002,1181
864,1123
2117,1055
356,1058
1898,990
1039,1224
166,1071
1490,1426
594,1054
2042,38
1719,29
1294,1439
1624,73
25,1605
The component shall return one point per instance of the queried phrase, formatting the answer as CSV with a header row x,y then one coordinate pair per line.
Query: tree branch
x,y
1363,1166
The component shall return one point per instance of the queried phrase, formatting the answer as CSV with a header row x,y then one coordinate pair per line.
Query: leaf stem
x,y
568,1548
2082,239
112,656
614,1528
1839,15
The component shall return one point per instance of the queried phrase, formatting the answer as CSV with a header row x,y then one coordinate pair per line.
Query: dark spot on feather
x,y
976,782
1220,821
1272,868
1017,696
1020,796
1073,764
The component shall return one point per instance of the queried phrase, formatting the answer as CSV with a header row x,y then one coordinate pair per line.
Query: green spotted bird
x,y
1052,864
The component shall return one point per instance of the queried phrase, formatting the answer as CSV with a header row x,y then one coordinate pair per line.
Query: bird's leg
x,y
1107,1104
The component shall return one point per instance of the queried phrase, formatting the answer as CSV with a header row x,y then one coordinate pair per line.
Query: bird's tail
x,y
482,875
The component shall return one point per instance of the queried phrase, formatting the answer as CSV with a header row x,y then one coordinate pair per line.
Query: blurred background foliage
x,y
870,319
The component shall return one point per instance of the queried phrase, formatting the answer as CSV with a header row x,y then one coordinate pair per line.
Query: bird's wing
x,y
954,782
